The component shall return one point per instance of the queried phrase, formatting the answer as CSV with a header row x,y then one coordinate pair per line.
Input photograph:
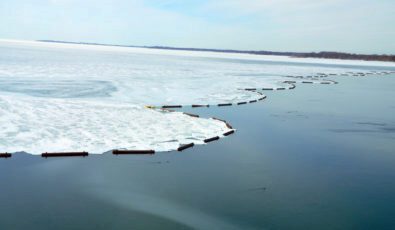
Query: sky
x,y
356,26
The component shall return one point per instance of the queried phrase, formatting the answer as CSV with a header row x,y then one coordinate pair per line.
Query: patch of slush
x,y
58,89
56,125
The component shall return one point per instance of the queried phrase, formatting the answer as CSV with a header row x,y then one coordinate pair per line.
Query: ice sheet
x,y
64,97
52,125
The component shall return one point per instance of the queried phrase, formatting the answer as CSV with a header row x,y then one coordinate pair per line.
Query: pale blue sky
x,y
362,26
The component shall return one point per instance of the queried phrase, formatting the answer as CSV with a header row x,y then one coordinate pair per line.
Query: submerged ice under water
x,y
63,97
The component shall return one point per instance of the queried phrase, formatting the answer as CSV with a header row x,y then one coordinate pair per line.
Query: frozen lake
x,y
64,97
317,157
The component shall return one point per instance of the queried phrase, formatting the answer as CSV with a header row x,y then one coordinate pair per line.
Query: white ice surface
x,y
53,125
205,54
67,97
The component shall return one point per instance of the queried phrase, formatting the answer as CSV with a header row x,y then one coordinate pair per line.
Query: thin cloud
x,y
281,25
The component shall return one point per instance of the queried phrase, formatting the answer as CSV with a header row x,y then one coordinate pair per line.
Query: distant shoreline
x,y
324,55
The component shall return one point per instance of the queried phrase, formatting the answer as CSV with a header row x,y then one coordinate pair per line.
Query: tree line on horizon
x,y
323,54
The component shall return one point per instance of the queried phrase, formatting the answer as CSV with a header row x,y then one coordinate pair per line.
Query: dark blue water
x,y
318,157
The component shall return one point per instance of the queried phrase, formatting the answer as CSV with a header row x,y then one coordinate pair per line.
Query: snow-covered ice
x,y
35,125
